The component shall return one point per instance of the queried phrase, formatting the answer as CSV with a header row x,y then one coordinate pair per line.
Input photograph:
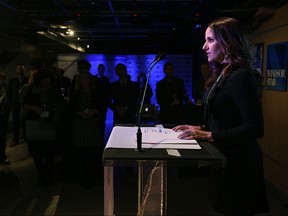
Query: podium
x,y
121,151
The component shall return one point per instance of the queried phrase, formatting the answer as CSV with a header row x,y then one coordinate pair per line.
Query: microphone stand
x,y
139,133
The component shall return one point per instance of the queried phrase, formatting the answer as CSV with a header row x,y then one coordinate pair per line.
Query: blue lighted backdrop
x,y
135,64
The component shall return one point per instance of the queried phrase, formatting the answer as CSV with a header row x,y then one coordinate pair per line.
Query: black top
x,y
125,96
235,110
50,101
13,87
236,121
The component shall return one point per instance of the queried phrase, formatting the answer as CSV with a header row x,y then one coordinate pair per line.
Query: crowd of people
x,y
46,99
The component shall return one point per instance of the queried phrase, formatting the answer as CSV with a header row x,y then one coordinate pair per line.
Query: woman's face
x,y
212,47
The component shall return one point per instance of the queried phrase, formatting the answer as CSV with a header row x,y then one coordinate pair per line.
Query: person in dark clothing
x,y
199,89
82,66
13,88
65,124
4,115
234,121
101,76
123,95
149,112
171,96
102,85
141,80
86,107
42,103
63,82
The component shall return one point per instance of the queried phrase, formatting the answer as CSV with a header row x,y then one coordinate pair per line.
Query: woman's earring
x,y
226,54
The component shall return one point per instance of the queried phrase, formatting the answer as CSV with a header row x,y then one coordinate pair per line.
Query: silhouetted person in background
x,y
35,65
101,74
141,80
171,96
199,89
82,66
14,85
102,86
124,96
149,112
4,115
86,106
63,82
65,124
43,102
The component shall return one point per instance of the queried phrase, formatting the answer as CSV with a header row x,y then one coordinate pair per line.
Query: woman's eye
x,y
210,40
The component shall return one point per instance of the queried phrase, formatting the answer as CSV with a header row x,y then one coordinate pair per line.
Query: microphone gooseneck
x,y
158,58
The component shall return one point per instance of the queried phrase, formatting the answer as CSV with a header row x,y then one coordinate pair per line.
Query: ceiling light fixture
x,y
55,37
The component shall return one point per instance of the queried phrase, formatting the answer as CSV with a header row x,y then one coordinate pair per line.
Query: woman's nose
x,y
204,47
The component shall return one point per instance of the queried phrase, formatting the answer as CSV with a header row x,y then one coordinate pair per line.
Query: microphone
x,y
158,58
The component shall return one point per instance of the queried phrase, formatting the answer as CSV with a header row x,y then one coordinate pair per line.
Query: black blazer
x,y
13,89
127,96
167,91
236,121
235,110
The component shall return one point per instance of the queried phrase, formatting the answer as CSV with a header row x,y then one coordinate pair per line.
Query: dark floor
x,y
21,195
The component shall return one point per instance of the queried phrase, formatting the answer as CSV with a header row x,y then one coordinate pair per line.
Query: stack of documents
x,y
152,137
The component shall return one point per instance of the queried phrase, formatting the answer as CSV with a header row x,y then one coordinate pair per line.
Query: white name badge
x,y
44,114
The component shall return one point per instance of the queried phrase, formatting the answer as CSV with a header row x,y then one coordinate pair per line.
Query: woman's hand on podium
x,y
193,132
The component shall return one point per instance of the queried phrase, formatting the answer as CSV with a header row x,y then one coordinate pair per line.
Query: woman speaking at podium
x,y
233,120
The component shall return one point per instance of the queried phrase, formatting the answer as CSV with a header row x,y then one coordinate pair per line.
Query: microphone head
x,y
160,56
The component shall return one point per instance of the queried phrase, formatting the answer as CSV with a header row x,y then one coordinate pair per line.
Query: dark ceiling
x,y
120,26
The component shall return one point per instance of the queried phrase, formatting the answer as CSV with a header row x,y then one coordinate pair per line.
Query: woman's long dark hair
x,y
233,44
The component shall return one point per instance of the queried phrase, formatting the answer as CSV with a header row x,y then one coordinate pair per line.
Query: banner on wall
x,y
276,70
257,56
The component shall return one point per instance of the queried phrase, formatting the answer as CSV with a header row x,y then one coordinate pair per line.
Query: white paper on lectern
x,y
152,137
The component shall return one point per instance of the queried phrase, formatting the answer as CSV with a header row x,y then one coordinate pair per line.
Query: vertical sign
x,y
276,71
257,56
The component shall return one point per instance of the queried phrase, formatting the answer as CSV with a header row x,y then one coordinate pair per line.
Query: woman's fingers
x,y
186,135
